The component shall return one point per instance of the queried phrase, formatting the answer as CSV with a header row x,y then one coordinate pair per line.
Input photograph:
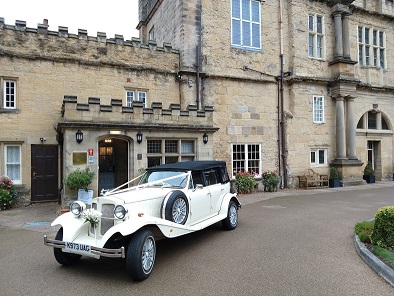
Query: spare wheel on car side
x,y
175,207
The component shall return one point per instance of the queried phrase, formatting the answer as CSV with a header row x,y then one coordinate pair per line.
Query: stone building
x,y
295,84
264,85
72,101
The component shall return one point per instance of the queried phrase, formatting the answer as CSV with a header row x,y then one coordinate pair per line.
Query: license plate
x,y
80,248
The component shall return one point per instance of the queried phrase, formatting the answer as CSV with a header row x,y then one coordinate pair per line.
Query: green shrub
x,y
368,170
364,230
383,231
8,193
334,173
79,179
270,180
244,181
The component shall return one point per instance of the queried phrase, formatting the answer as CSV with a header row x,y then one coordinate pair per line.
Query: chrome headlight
x,y
77,207
120,212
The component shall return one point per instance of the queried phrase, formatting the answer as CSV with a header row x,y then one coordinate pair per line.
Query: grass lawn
x,y
364,231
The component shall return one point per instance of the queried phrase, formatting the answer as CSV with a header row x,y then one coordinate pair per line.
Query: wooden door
x,y
44,173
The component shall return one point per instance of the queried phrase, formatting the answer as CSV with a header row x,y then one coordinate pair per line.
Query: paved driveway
x,y
297,243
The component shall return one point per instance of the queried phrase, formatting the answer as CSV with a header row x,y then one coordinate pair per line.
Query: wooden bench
x,y
310,179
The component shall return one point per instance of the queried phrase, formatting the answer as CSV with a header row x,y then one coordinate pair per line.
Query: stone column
x,y
340,128
345,32
379,120
350,129
338,35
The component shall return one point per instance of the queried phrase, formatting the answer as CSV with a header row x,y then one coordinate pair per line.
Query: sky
x,y
112,17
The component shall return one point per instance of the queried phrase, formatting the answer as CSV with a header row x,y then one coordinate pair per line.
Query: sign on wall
x,y
80,158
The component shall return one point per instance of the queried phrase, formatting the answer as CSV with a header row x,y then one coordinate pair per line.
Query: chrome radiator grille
x,y
107,221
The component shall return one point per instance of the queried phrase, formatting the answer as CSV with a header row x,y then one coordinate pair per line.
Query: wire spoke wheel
x,y
148,255
233,215
179,210
141,254
231,221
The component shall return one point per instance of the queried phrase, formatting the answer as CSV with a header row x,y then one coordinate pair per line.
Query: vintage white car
x,y
170,200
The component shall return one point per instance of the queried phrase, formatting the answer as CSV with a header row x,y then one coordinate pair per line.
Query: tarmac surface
x,y
38,217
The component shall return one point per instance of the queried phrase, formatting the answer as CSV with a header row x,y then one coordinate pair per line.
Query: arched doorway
x,y
374,131
113,163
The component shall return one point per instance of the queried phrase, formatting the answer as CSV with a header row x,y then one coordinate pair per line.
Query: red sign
x,y
90,152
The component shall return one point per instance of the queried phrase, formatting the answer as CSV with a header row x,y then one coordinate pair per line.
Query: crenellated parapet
x,y
20,41
116,115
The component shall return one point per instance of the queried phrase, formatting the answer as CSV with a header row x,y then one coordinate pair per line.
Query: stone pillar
x,y
345,32
350,129
379,120
338,35
340,128
365,121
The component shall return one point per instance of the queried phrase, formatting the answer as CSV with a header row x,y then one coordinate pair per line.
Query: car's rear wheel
x,y
231,221
65,259
177,207
141,254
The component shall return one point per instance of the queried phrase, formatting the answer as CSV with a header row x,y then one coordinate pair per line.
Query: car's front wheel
x,y
65,259
141,254
231,221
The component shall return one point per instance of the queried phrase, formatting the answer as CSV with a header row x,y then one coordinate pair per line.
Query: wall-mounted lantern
x,y
79,136
205,138
139,137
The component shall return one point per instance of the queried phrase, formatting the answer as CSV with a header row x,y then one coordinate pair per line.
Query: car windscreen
x,y
165,179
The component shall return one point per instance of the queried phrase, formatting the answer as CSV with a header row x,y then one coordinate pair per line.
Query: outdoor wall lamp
x,y
139,137
79,136
205,138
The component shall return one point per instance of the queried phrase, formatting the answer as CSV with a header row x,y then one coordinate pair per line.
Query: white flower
x,y
92,216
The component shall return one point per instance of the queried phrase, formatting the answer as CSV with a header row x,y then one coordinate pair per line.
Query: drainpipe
x,y
198,50
199,102
282,139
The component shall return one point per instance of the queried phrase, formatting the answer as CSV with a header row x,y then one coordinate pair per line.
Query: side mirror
x,y
199,186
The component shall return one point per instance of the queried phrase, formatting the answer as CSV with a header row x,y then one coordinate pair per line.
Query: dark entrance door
x,y
44,173
113,163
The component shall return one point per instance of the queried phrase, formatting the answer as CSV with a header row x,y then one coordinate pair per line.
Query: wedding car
x,y
168,201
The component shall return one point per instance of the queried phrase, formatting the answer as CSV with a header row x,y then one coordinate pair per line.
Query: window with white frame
x,y
316,36
246,158
9,94
318,157
371,47
169,151
246,24
13,163
136,95
318,109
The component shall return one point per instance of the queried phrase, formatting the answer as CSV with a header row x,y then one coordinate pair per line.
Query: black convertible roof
x,y
198,165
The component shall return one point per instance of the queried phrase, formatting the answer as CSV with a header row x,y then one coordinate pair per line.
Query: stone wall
x,y
47,65
98,121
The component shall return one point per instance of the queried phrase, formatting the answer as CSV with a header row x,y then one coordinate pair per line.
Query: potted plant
x,y
270,181
369,173
80,180
334,178
244,181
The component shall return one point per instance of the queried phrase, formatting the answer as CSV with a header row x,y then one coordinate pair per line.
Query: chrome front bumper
x,y
112,253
